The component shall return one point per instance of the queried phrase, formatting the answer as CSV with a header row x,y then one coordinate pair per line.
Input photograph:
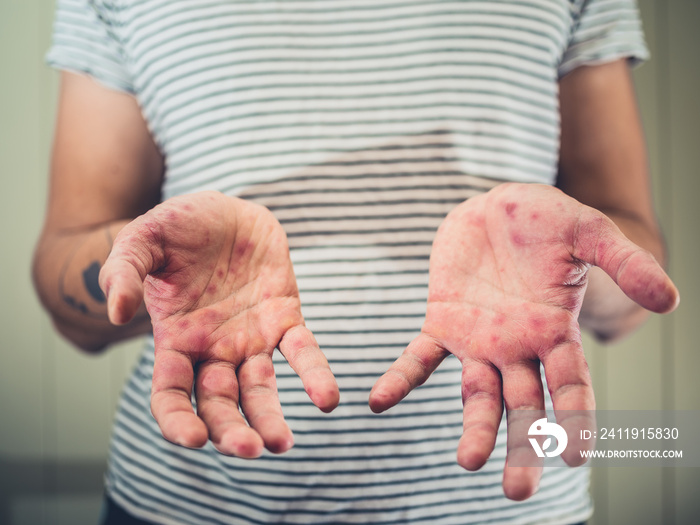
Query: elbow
x,y
608,337
45,275
615,330
41,286
83,340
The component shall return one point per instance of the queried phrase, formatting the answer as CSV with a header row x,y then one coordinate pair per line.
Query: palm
x,y
220,289
215,282
503,274
507,278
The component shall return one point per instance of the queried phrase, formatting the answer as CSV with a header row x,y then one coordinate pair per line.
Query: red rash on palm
x,y
219,286
507,280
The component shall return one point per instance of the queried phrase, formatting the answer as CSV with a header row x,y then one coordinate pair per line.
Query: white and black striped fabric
x,y
360,124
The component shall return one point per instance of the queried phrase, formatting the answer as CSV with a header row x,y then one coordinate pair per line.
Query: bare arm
x,y
105,171
603,164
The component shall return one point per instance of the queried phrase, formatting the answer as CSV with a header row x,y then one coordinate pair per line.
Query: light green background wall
x,y
56,404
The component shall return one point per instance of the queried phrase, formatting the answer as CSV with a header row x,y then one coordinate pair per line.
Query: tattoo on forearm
x,y
89,281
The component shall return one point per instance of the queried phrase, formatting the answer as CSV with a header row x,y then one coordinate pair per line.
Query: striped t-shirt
x,y
360,124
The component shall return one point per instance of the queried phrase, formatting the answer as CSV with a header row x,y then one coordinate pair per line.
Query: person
x,y
239,177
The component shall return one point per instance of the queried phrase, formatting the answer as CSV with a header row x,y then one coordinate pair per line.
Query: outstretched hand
x,y
508,273
218,283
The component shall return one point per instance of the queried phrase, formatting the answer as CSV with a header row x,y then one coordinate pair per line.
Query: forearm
x,y
603,164
65,270
607,313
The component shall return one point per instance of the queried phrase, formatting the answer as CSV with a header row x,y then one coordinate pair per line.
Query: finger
x,y
301,350
135,253
171,395
600,242
483,408
260,402
570,385
123,288
421,357
217,405
523,395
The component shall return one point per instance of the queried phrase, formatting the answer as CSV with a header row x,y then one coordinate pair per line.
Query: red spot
x,y
151,228
475,219
495,339
205,239
220,273
243,247
211,289
500,319
534,216
265,372
560,339
537,324
473,385
517,239
198,341
183,324
467,391
510,209
209,316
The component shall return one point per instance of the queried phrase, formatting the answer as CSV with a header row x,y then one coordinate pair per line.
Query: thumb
x,y
601,243
137,251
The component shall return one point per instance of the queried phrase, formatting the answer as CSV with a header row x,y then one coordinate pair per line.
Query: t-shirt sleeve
x,y
84,42
605,30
